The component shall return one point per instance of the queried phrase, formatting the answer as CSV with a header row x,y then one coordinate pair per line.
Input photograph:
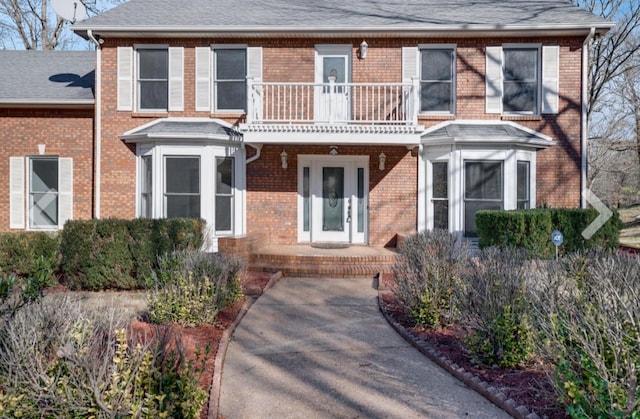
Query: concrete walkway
x,y
320,348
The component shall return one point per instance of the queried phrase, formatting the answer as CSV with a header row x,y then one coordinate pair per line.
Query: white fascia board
x,y
492,142
340,31
331,138
42,103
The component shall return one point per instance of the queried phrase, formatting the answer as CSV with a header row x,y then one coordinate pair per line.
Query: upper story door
x,y
332,94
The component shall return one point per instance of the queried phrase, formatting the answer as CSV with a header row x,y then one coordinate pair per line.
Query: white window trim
x,y
214,102
538,106
456,157
64,193
136,77
454,79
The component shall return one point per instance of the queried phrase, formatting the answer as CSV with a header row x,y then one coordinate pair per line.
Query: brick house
x,y
299,122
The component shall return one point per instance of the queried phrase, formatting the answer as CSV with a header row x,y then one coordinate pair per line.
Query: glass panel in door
x,y
332,103
333,199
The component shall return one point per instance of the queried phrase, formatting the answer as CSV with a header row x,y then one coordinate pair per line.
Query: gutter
x,y
98,127
258,148
584,123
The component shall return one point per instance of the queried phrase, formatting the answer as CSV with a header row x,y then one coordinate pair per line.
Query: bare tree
x,y
32,24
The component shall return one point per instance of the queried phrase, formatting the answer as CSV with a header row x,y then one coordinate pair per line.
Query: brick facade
x,y
65,133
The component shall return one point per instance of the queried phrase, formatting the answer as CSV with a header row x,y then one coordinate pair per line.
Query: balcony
x,y
391,105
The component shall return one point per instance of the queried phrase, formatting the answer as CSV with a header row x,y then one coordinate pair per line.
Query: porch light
x,y
382,159
283,159
363,50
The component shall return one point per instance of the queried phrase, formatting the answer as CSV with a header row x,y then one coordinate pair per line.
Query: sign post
x,y
557,238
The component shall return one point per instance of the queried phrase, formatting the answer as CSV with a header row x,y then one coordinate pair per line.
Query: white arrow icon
x,y
604,214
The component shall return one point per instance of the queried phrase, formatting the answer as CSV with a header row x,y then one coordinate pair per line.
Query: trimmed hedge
x,y
120,254
531,229
20,252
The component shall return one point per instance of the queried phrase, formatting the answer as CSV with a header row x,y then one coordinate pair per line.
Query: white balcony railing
x,y
332,103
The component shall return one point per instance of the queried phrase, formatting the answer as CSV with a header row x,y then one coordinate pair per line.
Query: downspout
x,y
258,148
584,133
98,126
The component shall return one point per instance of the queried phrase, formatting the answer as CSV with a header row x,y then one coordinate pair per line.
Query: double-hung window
x,y
230,79
521,80
437,80
182,186
43,193
153,79
224,194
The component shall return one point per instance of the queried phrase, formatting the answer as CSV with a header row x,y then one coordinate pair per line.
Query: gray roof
x,y
137,17
47,77
471,132
183,128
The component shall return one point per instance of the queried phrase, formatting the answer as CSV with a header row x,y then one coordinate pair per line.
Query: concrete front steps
x,y
308,261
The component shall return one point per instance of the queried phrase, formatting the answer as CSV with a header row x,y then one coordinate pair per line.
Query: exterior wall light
x,y
363,50
283,159
382,159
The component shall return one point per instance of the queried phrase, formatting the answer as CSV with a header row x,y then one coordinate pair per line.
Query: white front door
x,y
332,95
333,198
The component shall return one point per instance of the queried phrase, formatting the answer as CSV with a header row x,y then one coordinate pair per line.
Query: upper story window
x,y
521,80
153,79
230,79
437,80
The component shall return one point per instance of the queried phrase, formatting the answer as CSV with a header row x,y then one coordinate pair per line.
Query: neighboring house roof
x,y
192,129
47,78
256,17
489,132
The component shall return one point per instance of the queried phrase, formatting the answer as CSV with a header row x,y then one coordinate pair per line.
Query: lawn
x,y
630,234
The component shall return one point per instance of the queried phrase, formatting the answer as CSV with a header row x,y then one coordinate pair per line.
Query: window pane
x,y
436,64
223,213
470,209
183,206
440,180
333,199
519,97
441,214
145,187
231,95
305,199
44,175
182,175
44,210
523,185
483,180
153,94
231,64
435,97
521,64
333,67
224,181
153,63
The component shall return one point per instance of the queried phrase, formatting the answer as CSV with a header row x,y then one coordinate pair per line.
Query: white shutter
x,y
550,79
493,79
65,190
203,79
125,78
410,57
16,192
254,71
176,84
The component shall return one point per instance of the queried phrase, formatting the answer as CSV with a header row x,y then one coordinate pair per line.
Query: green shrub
x,y
19,252
121,254
427,272
58,360
493,300
192,287
589,319
531,230
17,292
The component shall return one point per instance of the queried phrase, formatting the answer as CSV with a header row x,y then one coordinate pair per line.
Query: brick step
x,y
318,266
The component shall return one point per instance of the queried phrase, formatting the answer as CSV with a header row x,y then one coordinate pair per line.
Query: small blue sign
x,y
557,238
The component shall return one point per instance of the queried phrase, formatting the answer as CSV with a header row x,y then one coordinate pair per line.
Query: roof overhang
x,y
439,31
332,134
485,133
184,130
47,104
